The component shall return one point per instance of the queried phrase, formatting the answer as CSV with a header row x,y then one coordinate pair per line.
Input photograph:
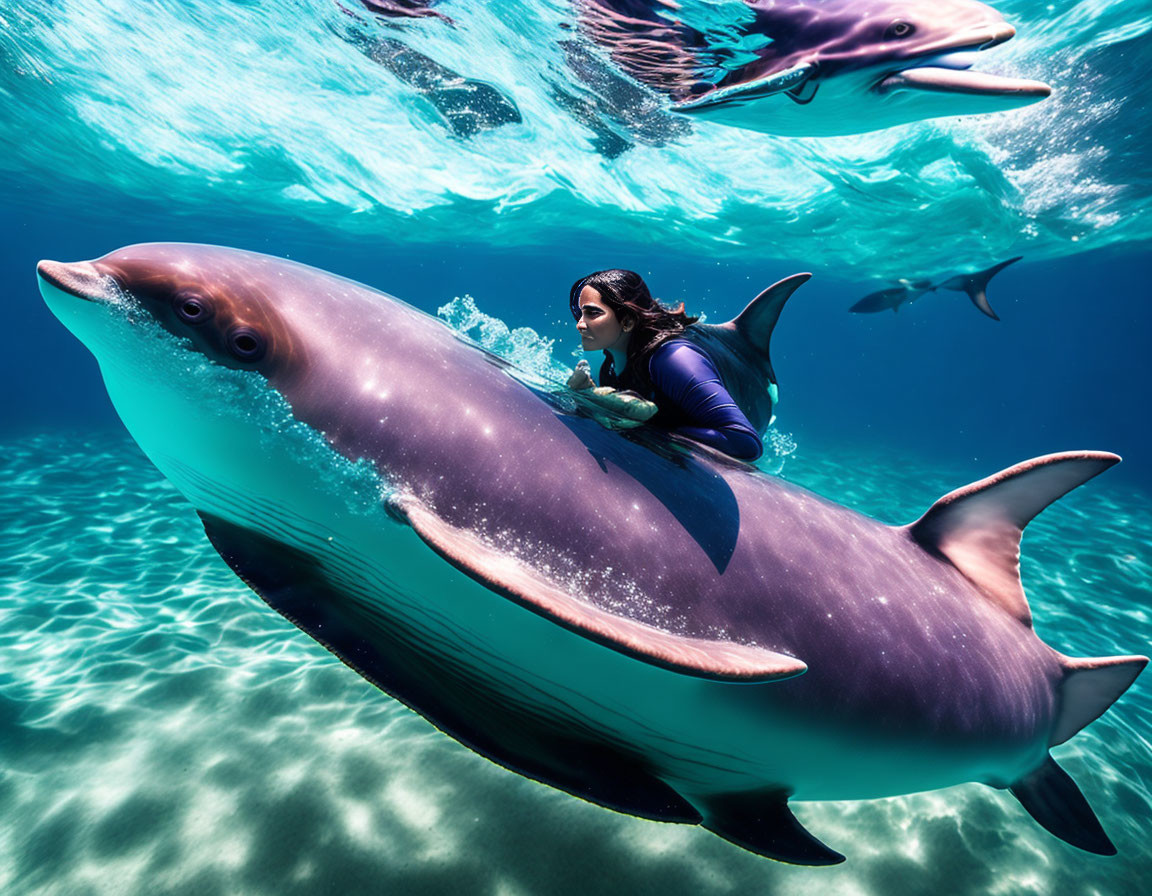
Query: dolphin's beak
x,y
946,80
947,71
81,279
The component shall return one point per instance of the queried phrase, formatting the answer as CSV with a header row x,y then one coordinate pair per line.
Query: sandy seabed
x,y
162,731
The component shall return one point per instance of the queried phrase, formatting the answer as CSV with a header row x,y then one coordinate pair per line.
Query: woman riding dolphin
x,y
406,500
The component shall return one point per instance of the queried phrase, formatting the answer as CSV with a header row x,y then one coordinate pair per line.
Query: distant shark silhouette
x,y
812,67
633,619
975,286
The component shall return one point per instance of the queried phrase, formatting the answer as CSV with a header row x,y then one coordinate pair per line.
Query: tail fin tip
x,y
1090,686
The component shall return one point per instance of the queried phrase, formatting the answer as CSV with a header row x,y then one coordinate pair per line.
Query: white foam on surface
x,y
263,106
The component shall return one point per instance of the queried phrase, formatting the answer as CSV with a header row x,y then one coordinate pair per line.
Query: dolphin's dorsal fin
x,y
757,321
978,527
519,582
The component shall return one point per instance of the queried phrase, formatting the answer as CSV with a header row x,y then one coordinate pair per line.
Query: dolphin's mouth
x,y
81,279
950,72
945,68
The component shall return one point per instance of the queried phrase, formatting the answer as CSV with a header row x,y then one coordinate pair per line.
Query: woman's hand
x,y
581,378
628,408
613,409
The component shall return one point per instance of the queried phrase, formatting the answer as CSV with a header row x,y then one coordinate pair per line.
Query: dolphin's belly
x,y
702,736
502,675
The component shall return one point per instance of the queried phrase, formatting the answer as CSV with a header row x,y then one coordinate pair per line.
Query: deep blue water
x,y
1066,367
163,731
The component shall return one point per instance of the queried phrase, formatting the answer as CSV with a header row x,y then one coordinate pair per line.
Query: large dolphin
x,y
640,622
811,67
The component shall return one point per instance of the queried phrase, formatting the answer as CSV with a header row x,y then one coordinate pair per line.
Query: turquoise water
x,y
162,731
259,107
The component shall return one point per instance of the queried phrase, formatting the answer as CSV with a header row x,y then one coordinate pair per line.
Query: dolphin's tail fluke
x,y
1051,797
976,285
1090,686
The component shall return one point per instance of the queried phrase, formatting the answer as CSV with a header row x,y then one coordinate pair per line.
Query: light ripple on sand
x,y
163,732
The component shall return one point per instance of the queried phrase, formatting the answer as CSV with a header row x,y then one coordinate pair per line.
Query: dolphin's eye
x,y
900,29
192,309
246,344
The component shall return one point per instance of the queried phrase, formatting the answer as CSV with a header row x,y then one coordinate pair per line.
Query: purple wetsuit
x,y
690,399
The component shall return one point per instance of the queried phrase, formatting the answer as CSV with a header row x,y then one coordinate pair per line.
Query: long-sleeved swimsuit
x,y
691,399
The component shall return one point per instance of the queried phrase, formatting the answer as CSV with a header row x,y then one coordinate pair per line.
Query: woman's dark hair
x,y
626,293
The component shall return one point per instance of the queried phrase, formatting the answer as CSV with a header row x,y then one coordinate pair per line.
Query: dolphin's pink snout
x,y
1002,32
80,278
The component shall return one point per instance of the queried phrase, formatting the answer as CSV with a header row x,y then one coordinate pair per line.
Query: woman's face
x,y
600,328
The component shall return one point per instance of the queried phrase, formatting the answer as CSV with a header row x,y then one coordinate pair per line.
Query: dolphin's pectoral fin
x,y
514,579
978,528
297,585
803,93
762,823
790,81
1051,797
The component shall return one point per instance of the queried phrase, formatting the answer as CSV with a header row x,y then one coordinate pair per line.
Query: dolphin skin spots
x,y
974,285
633,619
811,67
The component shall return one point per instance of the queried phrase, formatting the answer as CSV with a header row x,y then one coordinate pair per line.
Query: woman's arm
x,y
690,381
610,408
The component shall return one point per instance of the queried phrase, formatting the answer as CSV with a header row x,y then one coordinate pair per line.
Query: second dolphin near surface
x,y
974,285
645,624
811,67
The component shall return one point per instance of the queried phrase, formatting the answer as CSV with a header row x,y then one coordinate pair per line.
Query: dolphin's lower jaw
x,y
999,91
945,84
75,300
217,434
854,105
